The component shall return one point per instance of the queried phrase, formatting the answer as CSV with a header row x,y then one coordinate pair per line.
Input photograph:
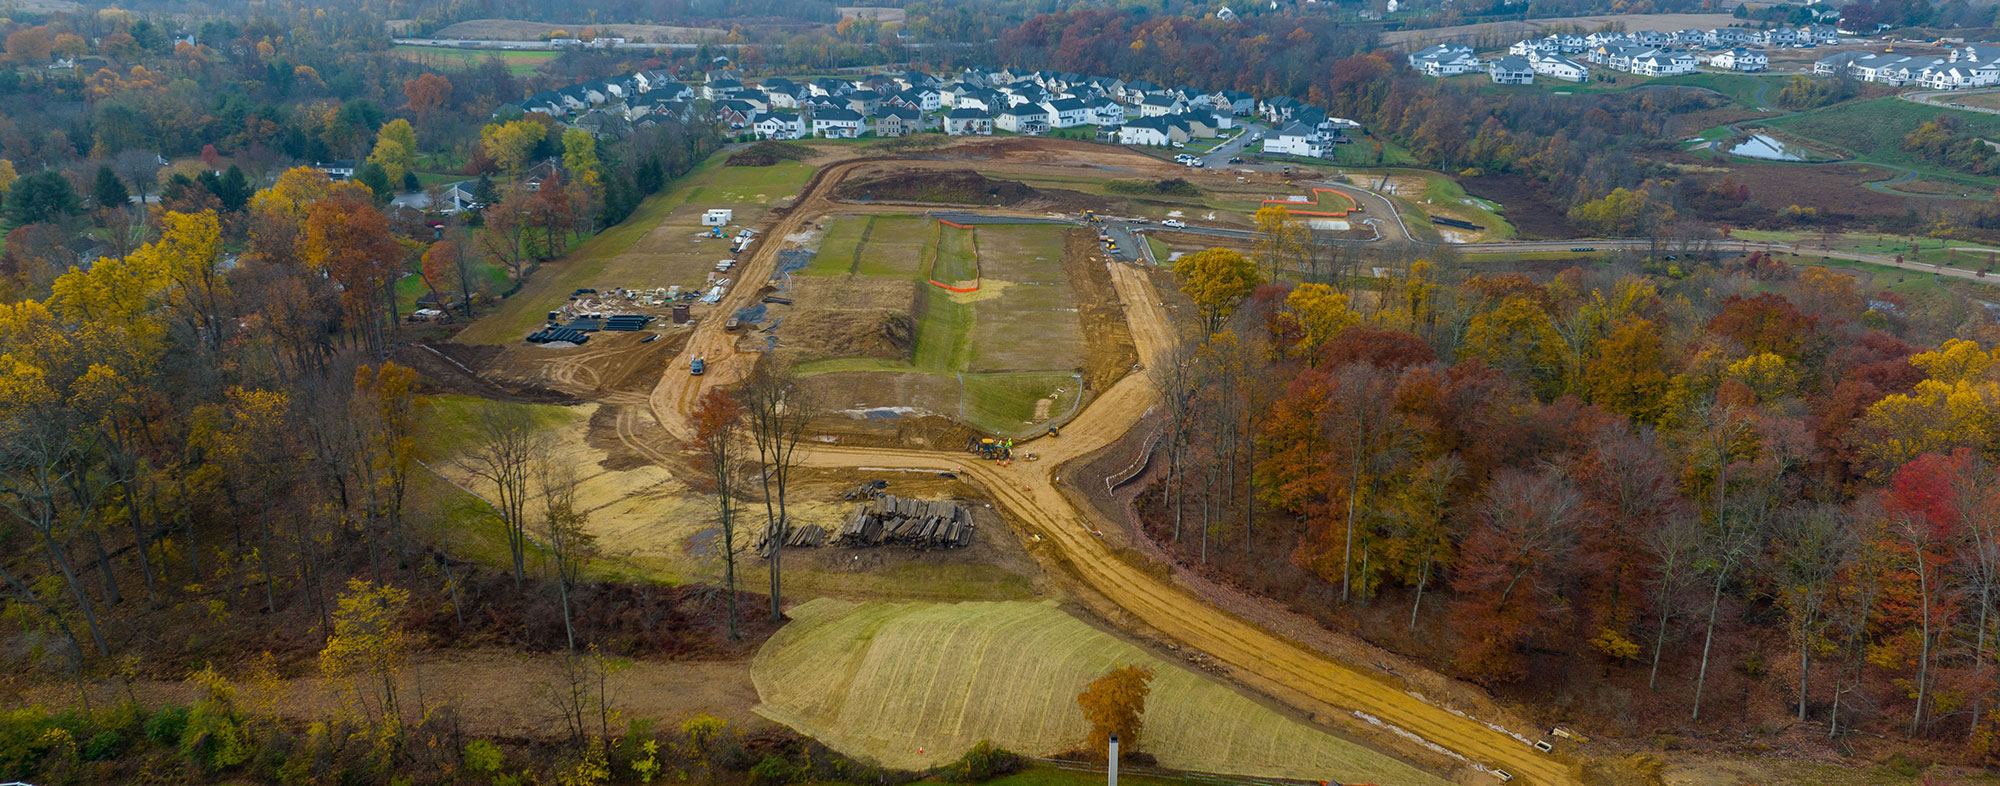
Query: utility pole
x,y
1111,772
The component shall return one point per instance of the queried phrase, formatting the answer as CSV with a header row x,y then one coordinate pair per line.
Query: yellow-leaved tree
x,y
395,149
512,142
1320,313
1115,704
1217,279
368,644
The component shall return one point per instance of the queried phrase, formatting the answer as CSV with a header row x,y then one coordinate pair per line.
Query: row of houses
x,y
1573,43
1512,69
1962,67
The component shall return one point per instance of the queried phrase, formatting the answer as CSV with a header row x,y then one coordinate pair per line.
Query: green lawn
x,y
520,63
493,278
1362,152
756,183
1873,132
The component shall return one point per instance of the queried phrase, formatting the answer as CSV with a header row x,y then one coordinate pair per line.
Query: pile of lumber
x,y
916,523
806,537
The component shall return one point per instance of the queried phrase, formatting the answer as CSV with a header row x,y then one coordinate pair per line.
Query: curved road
x,y
1028,493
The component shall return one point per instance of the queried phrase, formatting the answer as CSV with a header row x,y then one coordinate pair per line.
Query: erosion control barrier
x,y
937,248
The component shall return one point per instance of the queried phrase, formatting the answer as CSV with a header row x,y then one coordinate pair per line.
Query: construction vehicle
x,y
1090,216
989,448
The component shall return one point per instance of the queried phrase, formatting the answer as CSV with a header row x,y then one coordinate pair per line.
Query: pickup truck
x,y
1174,223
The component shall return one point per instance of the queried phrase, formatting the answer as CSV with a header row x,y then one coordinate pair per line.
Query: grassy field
x,y
957,260
755,183
913,685
1419,194
1873,131
519,63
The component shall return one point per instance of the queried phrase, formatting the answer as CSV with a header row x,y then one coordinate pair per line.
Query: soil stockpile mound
x,y
962,187
770,152
885,335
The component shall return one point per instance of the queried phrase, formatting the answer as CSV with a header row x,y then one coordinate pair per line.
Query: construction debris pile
x,y
917,523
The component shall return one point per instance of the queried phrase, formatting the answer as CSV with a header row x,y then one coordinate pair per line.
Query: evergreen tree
x,y
109,191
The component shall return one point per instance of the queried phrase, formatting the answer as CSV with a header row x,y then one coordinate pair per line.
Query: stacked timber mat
x,y
806,537
916,523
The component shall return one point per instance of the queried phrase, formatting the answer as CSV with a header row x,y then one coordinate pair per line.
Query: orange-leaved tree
x,y
1114,704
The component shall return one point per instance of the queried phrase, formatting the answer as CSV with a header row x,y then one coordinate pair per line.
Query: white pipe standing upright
x,y
1111,773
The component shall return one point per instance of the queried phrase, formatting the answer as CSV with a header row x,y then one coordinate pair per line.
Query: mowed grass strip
x,y
957,255
913,685
1007,403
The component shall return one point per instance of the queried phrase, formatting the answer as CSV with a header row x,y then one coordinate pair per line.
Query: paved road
x,y
1219,157
1947,99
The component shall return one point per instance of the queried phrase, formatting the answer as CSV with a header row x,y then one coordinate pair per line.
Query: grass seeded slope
x,y
915,685
1873,131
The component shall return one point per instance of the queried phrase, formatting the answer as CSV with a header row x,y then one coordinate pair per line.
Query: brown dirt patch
x,y
462,369
610,363
1108,351
876,333
952,187
1530,209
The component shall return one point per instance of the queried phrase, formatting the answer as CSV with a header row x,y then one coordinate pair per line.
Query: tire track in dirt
x,y
1027,491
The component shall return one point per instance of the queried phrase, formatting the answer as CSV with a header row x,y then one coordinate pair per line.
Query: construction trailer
x,y
716,217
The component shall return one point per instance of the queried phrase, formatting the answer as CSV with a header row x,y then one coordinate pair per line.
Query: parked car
x,y
697,367
1174,223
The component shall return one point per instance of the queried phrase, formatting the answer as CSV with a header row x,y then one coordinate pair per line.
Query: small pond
x,y
1765,147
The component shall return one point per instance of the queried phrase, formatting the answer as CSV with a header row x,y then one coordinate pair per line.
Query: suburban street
x,y
1219,157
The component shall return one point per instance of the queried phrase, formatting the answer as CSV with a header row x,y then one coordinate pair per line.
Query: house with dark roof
x,y
838,123
898,121
1155,131
968,122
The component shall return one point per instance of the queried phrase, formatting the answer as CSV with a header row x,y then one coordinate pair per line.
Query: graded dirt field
x,y
522,30
1514,31
915,685
996,334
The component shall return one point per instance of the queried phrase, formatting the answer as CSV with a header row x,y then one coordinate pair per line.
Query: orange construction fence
x,y
1320,213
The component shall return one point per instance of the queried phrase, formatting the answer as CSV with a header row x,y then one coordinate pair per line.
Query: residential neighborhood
x,y
972,102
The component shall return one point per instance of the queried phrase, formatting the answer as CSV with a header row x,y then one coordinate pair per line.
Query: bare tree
x,y
563,531
778,408
1673,546
505,457
1812,547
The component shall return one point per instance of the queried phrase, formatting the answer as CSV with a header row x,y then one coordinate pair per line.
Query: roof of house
x,y
966,114
1513,63
898,112
837,114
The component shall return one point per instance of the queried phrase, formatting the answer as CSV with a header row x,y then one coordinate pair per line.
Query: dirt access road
x,y
1028,492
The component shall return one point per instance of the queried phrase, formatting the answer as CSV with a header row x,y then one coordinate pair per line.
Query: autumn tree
x,y
1115,705
580,158
1217,280
368,642
512,143
348,239
1320,313
1283,243
426,94
395,149
564,531
1514,569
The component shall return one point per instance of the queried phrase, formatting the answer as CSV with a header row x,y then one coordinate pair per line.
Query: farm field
x,y
1001,356
519,63
523,30
914,685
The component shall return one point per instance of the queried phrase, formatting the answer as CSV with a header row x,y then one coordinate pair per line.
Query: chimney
x,y
1111,774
